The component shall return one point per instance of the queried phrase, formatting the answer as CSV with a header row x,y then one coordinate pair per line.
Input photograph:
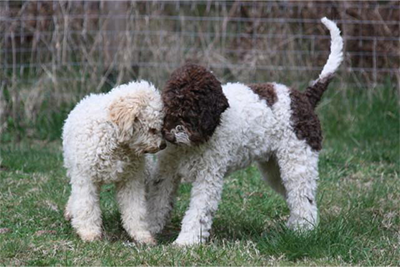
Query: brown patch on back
x,y
265,91
305,122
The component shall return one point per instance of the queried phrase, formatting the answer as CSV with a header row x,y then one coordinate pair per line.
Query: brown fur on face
x,y
193,98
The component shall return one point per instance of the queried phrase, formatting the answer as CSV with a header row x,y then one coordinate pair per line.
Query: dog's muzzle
x,y
162,146
170,137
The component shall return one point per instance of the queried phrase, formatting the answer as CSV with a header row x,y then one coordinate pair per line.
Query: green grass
x,y
358,198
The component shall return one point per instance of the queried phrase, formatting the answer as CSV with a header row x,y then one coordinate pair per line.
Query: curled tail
x,y
317,88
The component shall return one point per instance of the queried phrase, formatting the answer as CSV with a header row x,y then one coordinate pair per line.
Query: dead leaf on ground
x,y
45,232
4,230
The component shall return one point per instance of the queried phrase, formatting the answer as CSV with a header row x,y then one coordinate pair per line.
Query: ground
x,y
358,199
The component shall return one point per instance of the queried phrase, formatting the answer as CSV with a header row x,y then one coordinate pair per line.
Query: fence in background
x,y
276,38
57,51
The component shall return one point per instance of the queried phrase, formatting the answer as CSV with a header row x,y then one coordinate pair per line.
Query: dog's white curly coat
x,y
336,55
104,140
250,131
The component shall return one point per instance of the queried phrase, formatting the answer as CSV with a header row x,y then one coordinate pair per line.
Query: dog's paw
x,y
67,215
183,243
301,224
187,240
89,236
145,238
154,228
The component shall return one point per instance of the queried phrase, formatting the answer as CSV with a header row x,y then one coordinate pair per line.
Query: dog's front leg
x,y
205,196
132,203
161,198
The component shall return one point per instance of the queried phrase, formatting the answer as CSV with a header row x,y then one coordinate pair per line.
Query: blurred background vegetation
x,y
52,53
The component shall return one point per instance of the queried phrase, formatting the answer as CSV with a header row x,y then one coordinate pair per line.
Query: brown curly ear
x,y
123,112
194,97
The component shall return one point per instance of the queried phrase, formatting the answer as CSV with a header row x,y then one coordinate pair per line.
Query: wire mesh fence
x,y
57,51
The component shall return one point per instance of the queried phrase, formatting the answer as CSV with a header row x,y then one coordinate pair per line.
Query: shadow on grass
x,y
337,237
334,240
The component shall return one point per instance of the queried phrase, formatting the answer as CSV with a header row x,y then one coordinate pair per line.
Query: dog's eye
x,y
179,128
153,130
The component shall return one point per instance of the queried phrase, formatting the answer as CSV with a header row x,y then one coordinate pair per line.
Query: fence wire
x,y
90,44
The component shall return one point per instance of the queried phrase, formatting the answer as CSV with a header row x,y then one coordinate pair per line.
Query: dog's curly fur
x,y
305,122
194,99
266,91
269,124
105,138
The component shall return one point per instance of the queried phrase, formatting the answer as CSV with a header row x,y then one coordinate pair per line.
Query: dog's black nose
x,y
163,146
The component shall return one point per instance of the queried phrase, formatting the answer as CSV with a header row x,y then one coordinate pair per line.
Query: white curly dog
x,y
215,131
105,138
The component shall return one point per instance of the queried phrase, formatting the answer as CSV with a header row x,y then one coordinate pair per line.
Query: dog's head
x,y
137,111
193,104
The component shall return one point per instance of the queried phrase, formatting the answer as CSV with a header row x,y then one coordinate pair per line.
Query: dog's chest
x,y
119,165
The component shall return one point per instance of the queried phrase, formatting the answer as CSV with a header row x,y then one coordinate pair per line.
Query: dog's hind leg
x,y
85,209
299,172
271,174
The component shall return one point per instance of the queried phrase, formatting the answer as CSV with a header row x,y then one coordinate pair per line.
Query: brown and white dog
x,y
215,130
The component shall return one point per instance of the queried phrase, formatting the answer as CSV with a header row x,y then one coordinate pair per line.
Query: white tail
x,y
318,87
336,55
